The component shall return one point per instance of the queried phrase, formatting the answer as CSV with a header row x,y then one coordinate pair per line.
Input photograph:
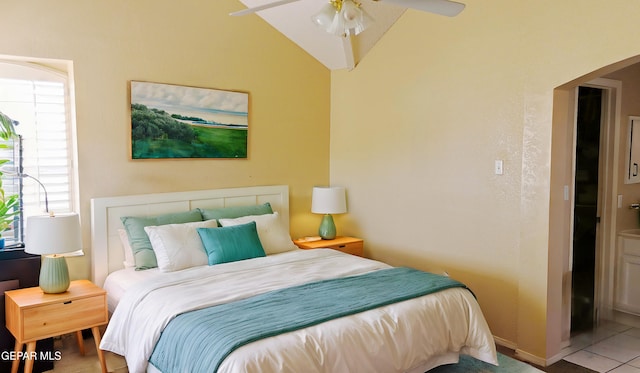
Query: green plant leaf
x,y
9,205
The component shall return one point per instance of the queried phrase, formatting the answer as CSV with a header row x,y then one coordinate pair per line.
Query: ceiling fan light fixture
x,y
342,18
337,26
350,11
324,18
356,19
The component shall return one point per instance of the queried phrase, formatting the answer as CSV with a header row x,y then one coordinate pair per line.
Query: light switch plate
x,y
499,167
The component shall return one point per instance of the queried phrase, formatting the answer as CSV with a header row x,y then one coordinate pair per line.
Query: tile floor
x,y
611,347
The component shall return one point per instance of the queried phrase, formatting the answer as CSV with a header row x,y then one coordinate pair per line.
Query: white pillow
x,y
274,236
126,247
178,246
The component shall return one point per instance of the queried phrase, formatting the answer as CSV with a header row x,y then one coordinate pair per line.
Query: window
x,y
37,98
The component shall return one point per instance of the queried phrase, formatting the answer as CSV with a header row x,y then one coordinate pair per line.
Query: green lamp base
x,y
327,228
54,275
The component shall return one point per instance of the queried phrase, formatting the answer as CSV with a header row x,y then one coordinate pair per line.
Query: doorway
x,y
563,200
586,211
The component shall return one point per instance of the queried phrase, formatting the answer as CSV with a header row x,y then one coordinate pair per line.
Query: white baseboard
x,y
554,359
504,343
537,360
522,355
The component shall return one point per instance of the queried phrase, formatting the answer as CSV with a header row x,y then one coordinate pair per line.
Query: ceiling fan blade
x,y
261,7
442,7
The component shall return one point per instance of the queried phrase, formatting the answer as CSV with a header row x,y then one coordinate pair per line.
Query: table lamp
x,y
327,201
49,236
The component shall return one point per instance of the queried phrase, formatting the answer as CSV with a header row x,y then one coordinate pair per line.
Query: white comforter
x,y
412,335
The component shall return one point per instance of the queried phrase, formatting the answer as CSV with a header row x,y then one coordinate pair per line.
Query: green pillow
x,y
143,254
230,244
236,211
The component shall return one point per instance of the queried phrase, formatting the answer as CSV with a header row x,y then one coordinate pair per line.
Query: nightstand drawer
x,y
63,317
353,248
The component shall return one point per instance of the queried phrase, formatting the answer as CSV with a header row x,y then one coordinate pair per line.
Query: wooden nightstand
x,y
33,315
349,245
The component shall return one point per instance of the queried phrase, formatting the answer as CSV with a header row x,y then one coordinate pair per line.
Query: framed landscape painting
x,y
172,121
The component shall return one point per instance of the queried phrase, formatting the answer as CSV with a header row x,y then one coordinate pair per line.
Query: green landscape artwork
x,y
172,121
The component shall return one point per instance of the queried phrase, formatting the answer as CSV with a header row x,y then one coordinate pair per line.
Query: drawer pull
x,y
342,246
67,302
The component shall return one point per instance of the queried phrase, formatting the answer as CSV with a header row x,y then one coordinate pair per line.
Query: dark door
x,y
586,217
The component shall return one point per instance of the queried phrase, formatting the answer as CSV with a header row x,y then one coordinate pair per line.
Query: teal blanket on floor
x,y
198,341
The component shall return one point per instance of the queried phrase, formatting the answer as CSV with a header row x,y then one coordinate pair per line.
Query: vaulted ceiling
x,y
294,21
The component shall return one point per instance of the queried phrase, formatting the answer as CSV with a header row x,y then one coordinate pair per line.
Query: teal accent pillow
x,y
236,211
143,254
230,244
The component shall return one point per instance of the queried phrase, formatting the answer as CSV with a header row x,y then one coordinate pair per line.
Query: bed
x,y
285,310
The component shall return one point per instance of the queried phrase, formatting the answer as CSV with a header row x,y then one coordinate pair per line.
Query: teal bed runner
x,y
198,341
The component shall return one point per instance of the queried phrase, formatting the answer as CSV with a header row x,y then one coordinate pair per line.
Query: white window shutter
x,y
40,106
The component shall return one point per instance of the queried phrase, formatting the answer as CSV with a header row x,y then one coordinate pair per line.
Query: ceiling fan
x,y
346,17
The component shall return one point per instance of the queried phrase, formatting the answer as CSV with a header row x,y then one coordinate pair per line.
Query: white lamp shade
x,y
356,19
328,200
53,234
325,16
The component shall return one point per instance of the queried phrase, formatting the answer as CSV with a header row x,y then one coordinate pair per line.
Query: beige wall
x,y
186,42
417,126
